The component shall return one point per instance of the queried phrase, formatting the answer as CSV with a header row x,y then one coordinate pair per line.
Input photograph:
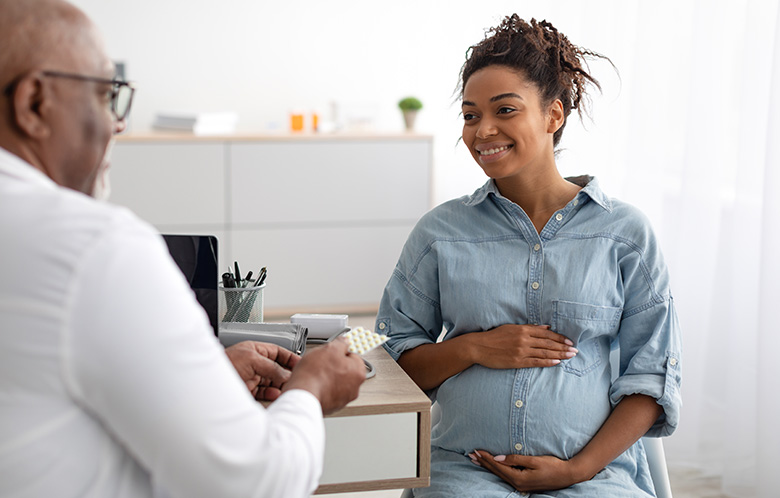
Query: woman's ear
x,y
555,116
29,102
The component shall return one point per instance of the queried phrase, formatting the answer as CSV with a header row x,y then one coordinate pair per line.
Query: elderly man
x,y
97,398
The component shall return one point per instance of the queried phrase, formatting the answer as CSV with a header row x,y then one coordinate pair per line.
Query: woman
x,y
534,278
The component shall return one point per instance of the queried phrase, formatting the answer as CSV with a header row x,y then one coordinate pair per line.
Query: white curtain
x,y
703,163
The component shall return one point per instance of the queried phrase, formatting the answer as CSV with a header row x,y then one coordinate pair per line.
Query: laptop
x,y
196,256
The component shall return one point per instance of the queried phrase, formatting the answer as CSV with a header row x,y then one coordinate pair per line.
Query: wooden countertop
x,y
389,391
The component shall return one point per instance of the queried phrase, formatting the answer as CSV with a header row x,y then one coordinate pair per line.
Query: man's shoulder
x,y
67,220
99,216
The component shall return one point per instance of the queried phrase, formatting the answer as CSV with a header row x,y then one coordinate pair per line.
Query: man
x,y
96,398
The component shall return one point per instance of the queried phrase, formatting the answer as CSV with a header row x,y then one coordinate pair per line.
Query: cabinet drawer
x,y
170,183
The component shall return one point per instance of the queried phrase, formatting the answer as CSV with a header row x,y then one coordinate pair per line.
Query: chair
x,y
656,460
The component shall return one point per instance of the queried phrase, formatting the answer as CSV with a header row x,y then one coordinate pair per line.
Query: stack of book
x,y
199,123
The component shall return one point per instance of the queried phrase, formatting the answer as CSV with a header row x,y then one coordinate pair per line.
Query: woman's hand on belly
x,y
505,347
520,346
528,473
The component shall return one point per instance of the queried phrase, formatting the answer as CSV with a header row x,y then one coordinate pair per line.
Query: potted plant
x,y
410,106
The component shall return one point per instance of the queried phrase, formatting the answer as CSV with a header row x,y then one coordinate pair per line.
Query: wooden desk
x,y
382,440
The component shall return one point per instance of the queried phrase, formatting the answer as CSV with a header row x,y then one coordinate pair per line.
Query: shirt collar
x,y
13,165
589,184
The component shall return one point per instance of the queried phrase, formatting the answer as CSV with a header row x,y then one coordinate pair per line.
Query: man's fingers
x,y
280,355
267,393
272,372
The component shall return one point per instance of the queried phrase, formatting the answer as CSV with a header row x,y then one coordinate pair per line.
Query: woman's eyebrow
x,y
509,95
502,96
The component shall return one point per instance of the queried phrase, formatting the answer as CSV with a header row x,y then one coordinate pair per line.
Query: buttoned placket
x,y
536,242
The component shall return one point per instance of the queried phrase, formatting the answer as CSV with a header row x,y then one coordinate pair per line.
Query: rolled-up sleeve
x,y
650,362
410,312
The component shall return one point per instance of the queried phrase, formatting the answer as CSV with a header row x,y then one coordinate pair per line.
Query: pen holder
x,y
242,304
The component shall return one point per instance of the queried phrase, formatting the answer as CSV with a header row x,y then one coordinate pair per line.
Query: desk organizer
x,y
242,304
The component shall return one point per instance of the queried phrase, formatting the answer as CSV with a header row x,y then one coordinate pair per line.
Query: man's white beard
x,y
102,188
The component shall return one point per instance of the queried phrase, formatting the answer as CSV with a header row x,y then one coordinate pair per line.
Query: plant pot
x,y
409,118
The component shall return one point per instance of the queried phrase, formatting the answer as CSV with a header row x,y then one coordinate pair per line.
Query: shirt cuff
x,y
664,388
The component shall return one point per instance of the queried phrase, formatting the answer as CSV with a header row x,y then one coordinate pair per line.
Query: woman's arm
x,y
507,346
629,421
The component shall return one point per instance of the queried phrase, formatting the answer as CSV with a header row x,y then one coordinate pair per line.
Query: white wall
x,y
263,59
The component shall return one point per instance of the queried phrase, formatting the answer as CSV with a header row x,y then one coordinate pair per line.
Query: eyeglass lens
x,y
123,96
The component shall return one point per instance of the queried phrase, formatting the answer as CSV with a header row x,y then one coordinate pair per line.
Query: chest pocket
x,y
590,328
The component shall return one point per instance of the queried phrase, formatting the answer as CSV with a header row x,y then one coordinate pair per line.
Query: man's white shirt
x,y
112,383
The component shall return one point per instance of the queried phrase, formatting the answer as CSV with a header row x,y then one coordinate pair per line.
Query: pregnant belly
x,y
530,411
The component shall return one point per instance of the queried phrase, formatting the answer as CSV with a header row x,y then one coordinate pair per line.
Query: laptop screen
x,y
196,256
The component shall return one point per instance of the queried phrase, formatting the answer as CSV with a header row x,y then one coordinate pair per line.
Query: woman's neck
x,y
539,196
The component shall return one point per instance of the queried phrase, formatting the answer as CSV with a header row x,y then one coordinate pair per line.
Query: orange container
x,y
296,121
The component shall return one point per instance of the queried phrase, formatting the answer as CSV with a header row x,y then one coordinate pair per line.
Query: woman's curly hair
x,y
543,55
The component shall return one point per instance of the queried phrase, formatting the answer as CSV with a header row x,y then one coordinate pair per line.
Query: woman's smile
x,y
489,152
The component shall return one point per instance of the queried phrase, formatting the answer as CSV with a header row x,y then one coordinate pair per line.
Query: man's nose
x,y
120,126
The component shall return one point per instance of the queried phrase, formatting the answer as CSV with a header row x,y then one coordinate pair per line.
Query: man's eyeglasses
x,y
121,91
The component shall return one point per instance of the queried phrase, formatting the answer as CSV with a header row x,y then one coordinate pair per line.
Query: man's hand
x,y
528,473
331,373
265,368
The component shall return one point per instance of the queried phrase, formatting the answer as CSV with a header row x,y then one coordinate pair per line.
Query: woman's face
x,y
505,127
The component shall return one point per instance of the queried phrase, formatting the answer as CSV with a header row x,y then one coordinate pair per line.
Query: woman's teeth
x,y
490,152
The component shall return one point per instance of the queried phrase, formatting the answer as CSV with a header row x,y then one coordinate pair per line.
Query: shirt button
x,y
535,285
673,361
559,216
382,326
537,247
576,201
518,446
519,403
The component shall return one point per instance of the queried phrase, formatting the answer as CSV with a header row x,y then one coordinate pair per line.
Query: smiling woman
x,y
534,277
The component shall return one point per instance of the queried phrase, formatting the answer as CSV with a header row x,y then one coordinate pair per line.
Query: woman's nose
x,y
487,128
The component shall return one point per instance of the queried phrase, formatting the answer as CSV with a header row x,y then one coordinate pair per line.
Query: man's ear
x,y
555,116
29,103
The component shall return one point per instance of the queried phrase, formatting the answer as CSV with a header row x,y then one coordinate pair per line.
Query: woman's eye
x,y
505,110
468,116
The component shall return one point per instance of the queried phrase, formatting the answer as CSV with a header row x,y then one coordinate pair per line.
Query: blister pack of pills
x,y
362,340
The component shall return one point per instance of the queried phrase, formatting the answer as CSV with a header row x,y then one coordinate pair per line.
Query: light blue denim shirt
x,y
595,274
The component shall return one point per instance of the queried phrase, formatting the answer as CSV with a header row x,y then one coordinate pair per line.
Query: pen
x,y
247,279
261,277
238,273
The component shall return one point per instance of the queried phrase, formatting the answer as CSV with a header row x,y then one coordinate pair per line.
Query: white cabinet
x,y
327,215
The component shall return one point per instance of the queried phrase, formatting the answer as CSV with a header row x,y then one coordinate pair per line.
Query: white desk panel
x,y
370,448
